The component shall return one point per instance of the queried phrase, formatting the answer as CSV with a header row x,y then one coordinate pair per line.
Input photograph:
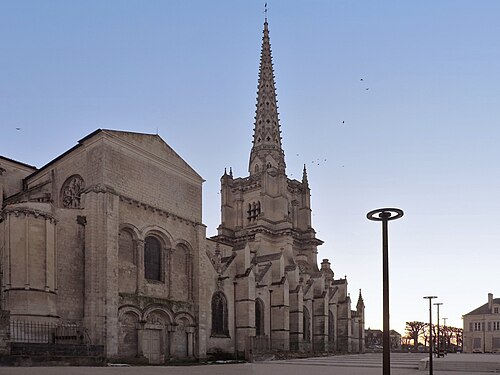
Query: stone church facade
x,y
109,237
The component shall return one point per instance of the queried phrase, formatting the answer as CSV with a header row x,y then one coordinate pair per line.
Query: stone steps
x,y
470,367
398,360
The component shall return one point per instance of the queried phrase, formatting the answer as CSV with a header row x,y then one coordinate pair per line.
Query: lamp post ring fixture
x,y
385,214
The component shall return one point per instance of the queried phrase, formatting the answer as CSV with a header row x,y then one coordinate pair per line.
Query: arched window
x,y
259,317
126,246
306,320
219,315
152,258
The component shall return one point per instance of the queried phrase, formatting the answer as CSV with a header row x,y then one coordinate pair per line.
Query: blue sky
x,y
424,136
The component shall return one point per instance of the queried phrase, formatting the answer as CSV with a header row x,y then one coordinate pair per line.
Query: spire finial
x,y
304,176
265,11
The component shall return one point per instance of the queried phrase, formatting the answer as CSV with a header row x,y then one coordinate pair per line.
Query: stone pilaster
x,y
280,312
101,274
244,297
296,318
320,323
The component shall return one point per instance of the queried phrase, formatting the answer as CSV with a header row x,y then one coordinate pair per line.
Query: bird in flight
x,y
18,128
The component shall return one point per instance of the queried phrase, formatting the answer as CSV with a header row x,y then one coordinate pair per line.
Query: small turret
x,y
305,181
361,303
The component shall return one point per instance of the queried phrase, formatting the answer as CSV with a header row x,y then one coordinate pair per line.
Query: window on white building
x,y
495,342
476,343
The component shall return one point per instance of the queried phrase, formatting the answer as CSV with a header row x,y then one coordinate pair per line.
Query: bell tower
x,y
267,208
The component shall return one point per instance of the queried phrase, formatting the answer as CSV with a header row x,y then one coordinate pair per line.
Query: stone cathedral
x,y
108,238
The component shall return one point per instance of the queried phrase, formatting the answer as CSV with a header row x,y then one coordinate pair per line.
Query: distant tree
x,y
446,334
406,340
414,330
458,335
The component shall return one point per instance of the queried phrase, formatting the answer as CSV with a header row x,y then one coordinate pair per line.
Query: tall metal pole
x,y
385,215
431,371
438,338
446,336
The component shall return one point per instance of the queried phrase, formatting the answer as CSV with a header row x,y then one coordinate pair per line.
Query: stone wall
x,y
4,332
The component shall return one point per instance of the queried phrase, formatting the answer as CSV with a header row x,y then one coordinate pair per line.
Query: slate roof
x,y
484,308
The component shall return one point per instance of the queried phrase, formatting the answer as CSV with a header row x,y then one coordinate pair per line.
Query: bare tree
x,y
414,330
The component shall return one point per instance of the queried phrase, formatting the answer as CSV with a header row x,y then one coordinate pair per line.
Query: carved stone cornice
x,y
158,211
100,188
27,212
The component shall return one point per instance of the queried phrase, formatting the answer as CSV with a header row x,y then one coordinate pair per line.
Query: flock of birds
x,y
317,161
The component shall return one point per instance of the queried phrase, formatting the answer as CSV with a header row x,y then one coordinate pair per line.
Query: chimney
x,y
490,301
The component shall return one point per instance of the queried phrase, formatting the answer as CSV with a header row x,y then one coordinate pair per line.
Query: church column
x,y
139,245
190,341
140,338
171,333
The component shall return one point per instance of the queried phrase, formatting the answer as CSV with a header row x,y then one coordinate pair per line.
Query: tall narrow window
x,y
306,320
259,317
219,315
253,211
152,258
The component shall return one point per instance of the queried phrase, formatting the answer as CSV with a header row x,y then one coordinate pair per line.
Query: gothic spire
x,y
304,176
266,151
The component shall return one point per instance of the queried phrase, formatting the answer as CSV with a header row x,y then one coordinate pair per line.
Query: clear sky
x,y
389,103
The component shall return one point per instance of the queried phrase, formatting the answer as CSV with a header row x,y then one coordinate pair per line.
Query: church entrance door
x,y
151,345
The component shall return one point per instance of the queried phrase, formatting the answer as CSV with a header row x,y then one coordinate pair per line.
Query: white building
x,y
482,328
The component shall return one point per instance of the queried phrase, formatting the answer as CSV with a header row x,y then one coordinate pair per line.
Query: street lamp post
x,y
446,336
430,298
438,342
385,215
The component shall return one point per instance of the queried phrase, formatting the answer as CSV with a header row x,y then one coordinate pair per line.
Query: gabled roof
x,y
143,141
154,144
483,309
17,162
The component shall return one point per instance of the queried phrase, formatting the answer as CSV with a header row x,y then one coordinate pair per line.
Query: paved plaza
x,y
365,364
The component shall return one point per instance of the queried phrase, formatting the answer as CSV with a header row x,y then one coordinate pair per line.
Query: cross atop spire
x,y
266,151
